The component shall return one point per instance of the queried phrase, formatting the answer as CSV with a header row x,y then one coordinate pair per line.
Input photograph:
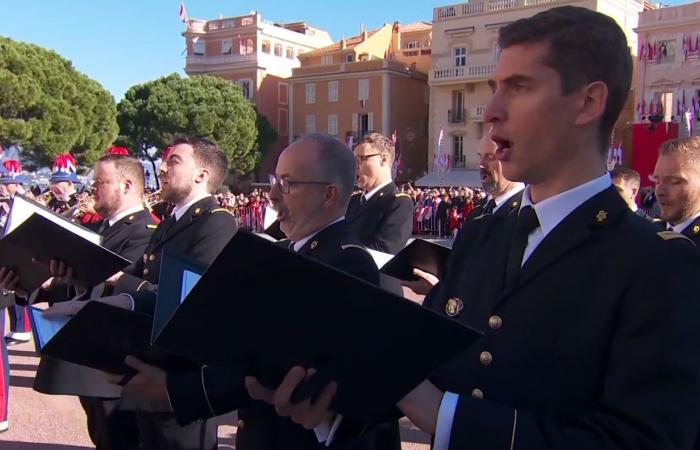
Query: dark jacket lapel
x,y
389,189
193,213
325,235
601,211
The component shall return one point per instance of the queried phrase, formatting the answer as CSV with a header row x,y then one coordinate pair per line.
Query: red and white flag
x,y
183,13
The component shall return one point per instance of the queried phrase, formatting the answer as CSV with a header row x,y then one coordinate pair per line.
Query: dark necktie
x,y
489,207
166,225
525,224
103,227
669,227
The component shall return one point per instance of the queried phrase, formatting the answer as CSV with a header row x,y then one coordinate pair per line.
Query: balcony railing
x,y
477,113
474,7
456,115
222,59
475,72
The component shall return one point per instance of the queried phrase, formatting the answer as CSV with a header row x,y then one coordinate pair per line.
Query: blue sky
x,y
122,43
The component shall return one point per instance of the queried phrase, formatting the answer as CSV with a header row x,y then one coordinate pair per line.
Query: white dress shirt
x,y
503,198
678,228
550,213
119,216
180,211
370,194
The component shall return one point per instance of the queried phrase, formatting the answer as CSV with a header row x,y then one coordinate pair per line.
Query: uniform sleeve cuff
x,y
446,416
326,430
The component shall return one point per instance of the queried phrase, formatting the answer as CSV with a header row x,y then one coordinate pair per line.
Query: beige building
x,y
667,75
259,56
464,54
374,81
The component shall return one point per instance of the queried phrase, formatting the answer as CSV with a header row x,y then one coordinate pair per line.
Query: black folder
x,y
275,231
101,336
420,254
174,270
269,308
41,239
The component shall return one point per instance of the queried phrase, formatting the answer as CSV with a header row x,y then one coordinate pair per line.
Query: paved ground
x,y
45,422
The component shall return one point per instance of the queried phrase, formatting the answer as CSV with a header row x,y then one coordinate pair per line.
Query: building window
x,y
278,50
332,91
460,56
326,60
246,88
310,123
363,89
289,53
666,52
198,48
412,45
333,124
458,151
226,47
310,93
266,47
283,121
282,93
249,47
349,57
456,114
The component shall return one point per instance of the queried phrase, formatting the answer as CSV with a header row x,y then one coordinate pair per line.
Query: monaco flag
x,y
183,13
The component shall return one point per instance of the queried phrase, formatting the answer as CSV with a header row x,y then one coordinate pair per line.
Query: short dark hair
x,y
584,46
688,148
626,174
127,167
336,162
380,143
209,156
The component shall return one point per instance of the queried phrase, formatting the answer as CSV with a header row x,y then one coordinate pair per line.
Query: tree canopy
x,y
47,107
151,114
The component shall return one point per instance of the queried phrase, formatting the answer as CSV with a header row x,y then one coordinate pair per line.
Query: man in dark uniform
x,y
118,192
503,195
311,200
627,181
198,229
577,312
380,216
677,177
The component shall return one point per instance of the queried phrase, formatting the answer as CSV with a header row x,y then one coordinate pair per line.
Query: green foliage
x,y
267,136
47,107
152,113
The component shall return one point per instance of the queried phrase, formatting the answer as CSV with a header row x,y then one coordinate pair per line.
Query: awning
x,y
467,177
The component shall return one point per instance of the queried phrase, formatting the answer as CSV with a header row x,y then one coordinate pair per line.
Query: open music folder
x,y
34,235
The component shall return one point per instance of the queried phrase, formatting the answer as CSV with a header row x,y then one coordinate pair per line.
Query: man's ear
x,y
594,97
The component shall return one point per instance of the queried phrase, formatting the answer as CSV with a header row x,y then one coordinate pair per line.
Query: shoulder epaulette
x,y
480,217
151,226
655,220
356,193
347,246
221,210
403,194
668,235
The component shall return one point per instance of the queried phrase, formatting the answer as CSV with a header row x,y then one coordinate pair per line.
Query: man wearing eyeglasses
x,y
118,192
380,216
311,201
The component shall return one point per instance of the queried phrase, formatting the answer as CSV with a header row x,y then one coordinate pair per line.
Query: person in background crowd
x,y
379,216
677,178
627,182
